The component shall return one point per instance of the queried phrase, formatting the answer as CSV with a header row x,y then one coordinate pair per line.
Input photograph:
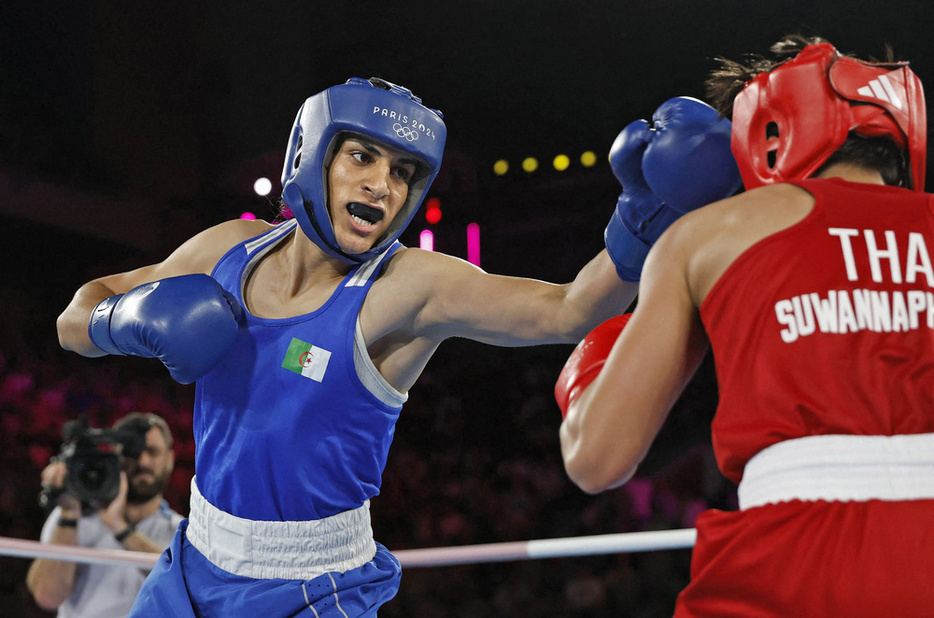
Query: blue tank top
x,y
284,428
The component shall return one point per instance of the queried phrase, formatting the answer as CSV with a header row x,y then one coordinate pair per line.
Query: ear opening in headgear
x,y
298,154
772,134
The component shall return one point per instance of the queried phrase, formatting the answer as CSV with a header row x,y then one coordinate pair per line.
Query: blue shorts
x,y
185,584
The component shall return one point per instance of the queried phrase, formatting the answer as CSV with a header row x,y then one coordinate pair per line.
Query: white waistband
x,y
280,549
840,468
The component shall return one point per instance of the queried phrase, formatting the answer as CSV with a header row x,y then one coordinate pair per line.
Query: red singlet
x,y
826,327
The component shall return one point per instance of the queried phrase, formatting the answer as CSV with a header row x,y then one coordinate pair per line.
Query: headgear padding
x,y
789,121
377,109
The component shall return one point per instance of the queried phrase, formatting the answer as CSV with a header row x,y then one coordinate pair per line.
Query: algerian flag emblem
x,y
306,359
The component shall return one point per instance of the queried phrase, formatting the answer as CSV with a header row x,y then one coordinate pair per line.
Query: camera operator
x,y
138,519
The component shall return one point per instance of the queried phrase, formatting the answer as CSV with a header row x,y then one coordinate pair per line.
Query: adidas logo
x,y
881,89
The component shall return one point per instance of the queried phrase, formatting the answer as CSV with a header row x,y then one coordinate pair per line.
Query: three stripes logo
x,y
881,88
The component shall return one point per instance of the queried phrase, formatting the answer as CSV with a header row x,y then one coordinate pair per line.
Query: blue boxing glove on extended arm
x,y
681,162
187,322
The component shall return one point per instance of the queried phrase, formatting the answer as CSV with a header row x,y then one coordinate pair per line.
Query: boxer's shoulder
x,y
707,241
234,231
200,252
414,284
749,216
404,284
763,210
423,269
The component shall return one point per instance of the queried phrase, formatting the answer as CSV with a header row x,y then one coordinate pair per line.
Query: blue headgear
x,y
376,109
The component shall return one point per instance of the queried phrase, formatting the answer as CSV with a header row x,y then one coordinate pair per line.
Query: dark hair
x,y
283,211
726,81
876,153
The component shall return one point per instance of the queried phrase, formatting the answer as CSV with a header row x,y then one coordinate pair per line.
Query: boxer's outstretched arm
x,y
679,163
457,299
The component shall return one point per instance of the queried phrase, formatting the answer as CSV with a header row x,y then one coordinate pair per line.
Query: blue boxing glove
x,y
187,322
681,162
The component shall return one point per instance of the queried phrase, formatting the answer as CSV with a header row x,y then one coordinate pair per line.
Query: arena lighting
x,y
262,186
433,210
473,244
426,240
560,163
248,215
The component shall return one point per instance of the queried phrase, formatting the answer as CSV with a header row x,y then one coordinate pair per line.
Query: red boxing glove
x,y
586,360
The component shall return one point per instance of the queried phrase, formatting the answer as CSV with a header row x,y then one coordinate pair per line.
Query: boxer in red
x,y
814,291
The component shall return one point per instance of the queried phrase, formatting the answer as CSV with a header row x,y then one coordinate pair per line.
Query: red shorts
x,y
850,559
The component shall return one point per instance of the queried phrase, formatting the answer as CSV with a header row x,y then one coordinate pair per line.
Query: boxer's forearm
x,y
597,294
72,324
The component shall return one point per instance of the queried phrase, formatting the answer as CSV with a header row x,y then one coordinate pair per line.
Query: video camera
x,y
93,461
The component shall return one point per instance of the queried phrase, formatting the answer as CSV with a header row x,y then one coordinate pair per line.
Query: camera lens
x,y
93,476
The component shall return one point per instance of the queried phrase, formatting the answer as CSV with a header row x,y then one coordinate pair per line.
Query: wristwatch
x,y
121,536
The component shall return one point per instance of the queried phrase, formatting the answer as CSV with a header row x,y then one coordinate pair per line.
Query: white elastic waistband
x,y
280,549
840,468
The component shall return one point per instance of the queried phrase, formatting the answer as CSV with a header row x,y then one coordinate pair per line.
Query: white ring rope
x,y
69,553
625,542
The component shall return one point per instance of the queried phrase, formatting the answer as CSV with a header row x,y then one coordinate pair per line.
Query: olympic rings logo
x,y
404,131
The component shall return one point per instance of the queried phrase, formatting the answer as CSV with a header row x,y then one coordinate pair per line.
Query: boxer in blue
x,y
304,338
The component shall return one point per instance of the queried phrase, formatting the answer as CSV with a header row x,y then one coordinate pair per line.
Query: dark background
x,y
125,127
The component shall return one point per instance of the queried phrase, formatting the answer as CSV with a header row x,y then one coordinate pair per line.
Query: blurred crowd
x,y
475,460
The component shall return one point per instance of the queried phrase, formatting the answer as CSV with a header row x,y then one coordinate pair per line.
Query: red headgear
x,y
810,103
